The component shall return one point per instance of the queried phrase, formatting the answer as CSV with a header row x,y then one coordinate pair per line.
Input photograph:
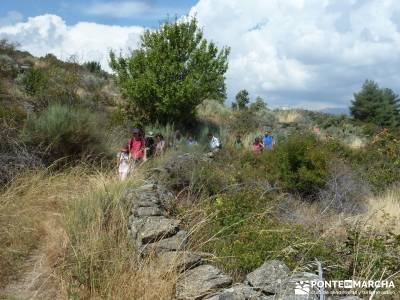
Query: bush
x,y
62,131
299,165
35,81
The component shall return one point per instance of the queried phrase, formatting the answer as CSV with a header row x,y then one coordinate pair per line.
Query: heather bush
x,y
65,132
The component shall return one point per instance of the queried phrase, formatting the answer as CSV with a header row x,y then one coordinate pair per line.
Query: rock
x,y
173,243
201,281
268,277
240,292
297,287
179,260
148,211
149,201
351,298
151,229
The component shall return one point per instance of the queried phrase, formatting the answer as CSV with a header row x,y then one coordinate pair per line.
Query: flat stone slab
x,y
200,282
151,229
240,292
179,260
148,211
269,277
173,243
297,287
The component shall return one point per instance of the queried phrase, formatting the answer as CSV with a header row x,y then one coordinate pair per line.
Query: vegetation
x,y
328,189
64,132
172,72
375,105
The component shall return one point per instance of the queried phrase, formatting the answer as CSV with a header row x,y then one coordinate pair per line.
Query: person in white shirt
x,y
215,144
123,164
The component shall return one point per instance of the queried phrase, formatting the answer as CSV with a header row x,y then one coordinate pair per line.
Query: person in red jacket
x,y
137,146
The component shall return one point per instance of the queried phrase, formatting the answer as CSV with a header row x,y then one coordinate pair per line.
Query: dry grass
x,y
384,210
289,116
26,207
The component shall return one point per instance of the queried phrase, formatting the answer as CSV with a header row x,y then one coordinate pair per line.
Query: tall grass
x,y
31,202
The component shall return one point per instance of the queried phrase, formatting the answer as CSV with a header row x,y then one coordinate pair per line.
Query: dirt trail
x,y
37,279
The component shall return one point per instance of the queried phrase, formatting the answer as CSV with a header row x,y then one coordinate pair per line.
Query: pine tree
x,y
375,105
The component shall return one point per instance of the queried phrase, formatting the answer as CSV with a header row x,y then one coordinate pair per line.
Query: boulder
x,y
268,277
240,292
351,298
200,282
173,243
297,287
179,260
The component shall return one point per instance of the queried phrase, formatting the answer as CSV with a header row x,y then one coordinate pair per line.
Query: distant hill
x,y
336,110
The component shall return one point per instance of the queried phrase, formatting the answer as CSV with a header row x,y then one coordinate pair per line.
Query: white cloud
x,y
88,41
313,53
117,9
310,53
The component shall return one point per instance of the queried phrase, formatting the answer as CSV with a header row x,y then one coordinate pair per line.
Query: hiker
x,y
268,140
150,144
215,144
137,146
238,144
257,146
191,141
177,139
123,165
160,144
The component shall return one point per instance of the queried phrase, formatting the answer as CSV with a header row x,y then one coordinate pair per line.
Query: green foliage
x,y
371,253
35,81
299,165
64,132
242,99
246,233
93,67
258,104
375,105
172,72
379,162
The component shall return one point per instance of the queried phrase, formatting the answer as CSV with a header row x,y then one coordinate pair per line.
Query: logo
x,y
302,288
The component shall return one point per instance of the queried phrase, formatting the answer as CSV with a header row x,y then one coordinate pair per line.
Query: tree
x,y
258,104
242,99
171,73
375,105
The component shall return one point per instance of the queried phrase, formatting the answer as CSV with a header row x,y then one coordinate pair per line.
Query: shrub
x,y
299,165
35,81
62,131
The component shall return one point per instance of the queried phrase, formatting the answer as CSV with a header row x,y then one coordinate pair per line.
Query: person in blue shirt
x,y
268,140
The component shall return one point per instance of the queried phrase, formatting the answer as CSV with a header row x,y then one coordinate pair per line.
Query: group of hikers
x,y
140,147
260,143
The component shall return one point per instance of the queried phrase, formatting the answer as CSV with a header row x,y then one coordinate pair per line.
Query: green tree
x,y
258,104
242,99
172,72
375,105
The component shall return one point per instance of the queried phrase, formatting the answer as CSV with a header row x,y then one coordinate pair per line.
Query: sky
x,y
312,54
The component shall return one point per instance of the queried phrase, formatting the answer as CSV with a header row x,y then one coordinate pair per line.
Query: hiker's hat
x,y
135,130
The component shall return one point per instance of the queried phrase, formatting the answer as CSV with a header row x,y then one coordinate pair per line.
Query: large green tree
x,y
173,71
375,105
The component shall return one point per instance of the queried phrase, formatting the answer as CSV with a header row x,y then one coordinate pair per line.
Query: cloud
x,y
87,41
118,9
309,53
